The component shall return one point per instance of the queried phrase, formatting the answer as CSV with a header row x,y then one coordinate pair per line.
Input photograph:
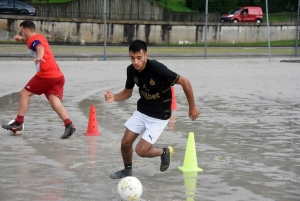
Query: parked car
x,y
244,14
16,7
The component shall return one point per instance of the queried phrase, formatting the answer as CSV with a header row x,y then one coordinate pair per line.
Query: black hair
x,y
137,46
28,24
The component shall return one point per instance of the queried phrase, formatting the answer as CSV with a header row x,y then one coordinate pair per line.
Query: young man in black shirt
x,y
153,108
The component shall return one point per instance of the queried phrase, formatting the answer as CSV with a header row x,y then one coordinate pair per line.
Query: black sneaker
x,y
69,130
14,128
165,160
121,173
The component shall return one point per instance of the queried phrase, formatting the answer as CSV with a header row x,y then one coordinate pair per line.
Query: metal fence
x,y
116,10
158,10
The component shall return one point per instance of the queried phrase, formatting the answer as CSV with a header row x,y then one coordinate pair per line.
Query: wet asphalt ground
x,y
247,138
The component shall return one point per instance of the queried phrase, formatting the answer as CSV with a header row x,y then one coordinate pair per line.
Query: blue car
x,y
8,7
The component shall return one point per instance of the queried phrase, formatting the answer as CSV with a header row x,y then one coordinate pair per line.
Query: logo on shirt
x,y
149,96
28,87
135,80
150,137
152,82
33,44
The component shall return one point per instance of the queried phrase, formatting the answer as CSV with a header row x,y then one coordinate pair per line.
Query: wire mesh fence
x,y
160,10
156,10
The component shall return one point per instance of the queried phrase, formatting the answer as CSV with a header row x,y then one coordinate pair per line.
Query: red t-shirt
x,y
48,68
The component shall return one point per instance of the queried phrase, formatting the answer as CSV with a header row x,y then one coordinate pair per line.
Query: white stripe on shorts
x,y
150,127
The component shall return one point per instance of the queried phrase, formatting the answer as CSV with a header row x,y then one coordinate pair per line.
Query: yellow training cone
x,y
190,159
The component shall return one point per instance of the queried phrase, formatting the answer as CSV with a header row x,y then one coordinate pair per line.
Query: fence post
x,y
48,8
109,9
104,20
297,30
138,15
14,7
192,11
205,34
131,10
79,8
268,29
165,14
219,11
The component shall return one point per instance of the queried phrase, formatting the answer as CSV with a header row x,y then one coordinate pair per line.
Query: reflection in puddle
x,y
190,182
92,143
171,122
8,100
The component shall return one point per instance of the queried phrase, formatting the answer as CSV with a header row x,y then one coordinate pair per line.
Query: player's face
x,y
24,33
139,59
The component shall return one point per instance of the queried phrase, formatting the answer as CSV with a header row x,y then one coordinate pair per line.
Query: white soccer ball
x,y
16,132
130,188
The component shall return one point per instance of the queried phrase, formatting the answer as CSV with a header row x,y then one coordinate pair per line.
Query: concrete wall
x,y
72,30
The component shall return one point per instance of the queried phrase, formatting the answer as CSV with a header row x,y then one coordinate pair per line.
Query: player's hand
x,y
18,38
194,113
109,97
38,60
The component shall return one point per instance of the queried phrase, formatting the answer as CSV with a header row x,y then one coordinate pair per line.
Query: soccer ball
x,y
16,132
130,188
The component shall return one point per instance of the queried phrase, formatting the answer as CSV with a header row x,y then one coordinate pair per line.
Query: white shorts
x,y
149,126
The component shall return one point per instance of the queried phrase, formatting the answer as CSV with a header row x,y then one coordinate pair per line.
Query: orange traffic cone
x,y
92,129
174,105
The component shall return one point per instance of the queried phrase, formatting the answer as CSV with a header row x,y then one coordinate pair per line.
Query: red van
x,y
244,14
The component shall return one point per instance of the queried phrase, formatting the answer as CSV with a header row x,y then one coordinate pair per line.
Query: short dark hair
x,y
28,24
137,46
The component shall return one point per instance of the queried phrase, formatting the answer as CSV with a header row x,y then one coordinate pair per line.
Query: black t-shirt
x,y
154,84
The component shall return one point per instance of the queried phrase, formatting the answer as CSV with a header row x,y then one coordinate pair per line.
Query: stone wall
x,y
91,31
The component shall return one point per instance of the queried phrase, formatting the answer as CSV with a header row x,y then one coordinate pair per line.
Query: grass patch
x,y
61,49
283,43
280,17
174,5
183,50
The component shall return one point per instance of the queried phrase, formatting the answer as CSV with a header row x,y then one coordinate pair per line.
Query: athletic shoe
x,y
166,159
121,173
69,130
16,129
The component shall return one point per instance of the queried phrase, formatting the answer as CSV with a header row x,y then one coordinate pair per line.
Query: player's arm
x,y
123,95
40,54
187,88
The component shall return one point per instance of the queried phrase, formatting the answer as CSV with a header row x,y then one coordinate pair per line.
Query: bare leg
x,y
146,149
143,149
57,106
24,101
126,145
127,151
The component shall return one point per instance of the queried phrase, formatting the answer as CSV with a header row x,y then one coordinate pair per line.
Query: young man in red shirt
x,y
48,80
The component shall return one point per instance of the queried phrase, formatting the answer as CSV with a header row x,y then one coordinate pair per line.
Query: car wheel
x,y
258,21
235,21
23,12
